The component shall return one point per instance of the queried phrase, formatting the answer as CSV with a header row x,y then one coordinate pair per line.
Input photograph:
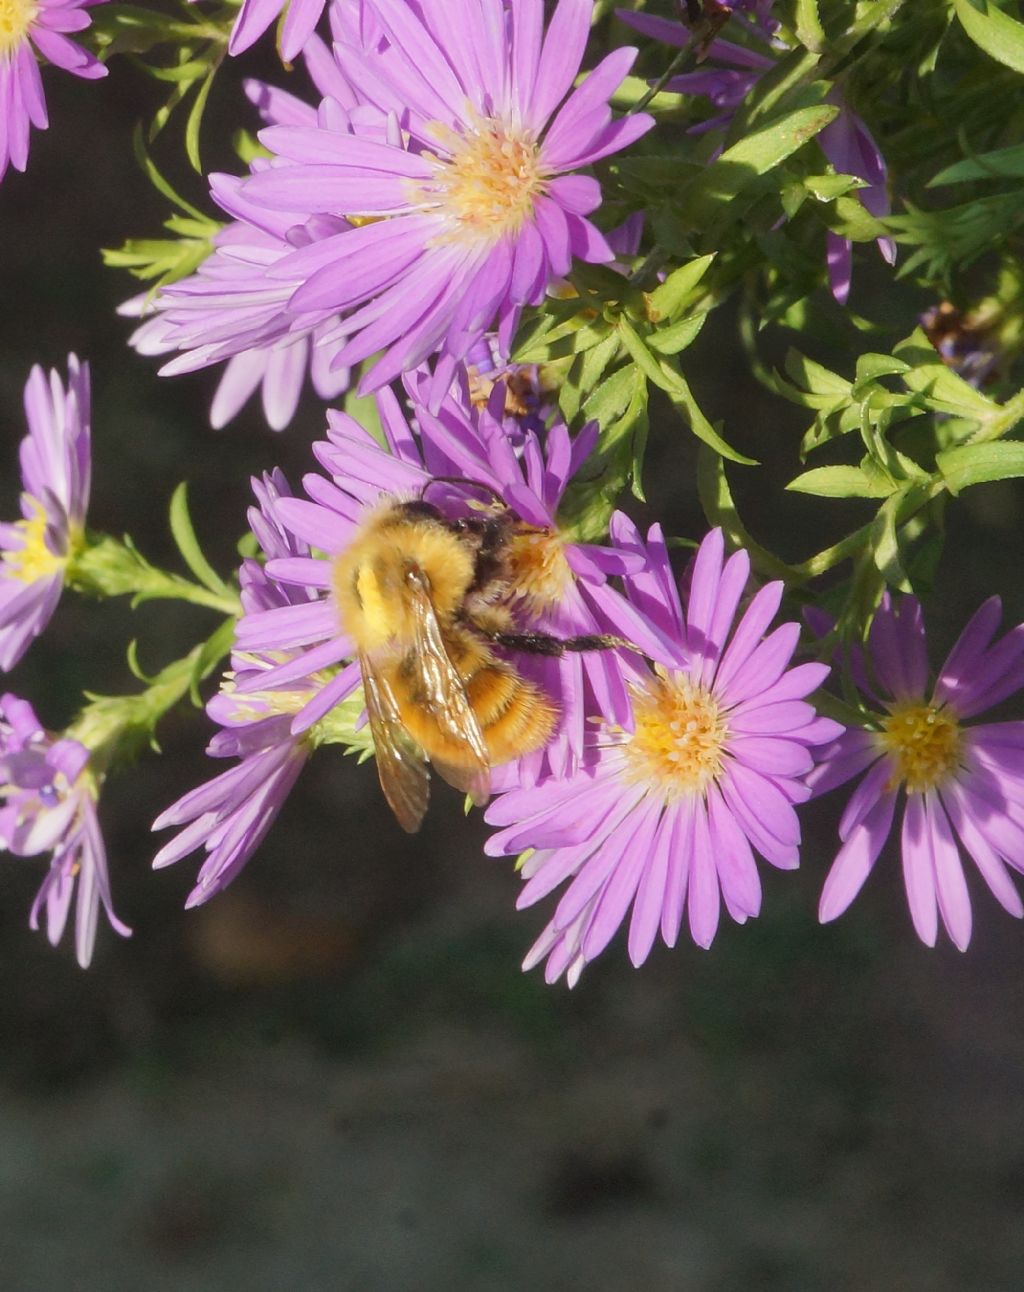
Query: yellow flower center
x,y
538,569
34,559
488,183
16,17
925,744
679,742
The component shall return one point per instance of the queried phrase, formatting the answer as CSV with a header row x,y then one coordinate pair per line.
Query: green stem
x,y
107,567
1002,422
114,727
679,61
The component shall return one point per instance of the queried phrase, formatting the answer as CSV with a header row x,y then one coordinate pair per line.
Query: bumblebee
x,y
426,600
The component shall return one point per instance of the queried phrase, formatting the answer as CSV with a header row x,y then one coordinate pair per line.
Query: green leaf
x,y
582,379
668,300
183,74
841,482
826,188
670,340
641,424
814,379
945,390
872,366
993,31
884,544
188,544
809,31
720,509
195,120
635,88
156,179
134,665
971,464
666,376
851,219
709,194
1002,163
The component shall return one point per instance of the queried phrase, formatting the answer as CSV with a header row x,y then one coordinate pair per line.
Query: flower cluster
x,y
431,196
452,592
657,782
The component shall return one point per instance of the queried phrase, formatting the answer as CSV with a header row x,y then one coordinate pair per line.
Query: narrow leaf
x,y
993,31
840,482
188,544
971,464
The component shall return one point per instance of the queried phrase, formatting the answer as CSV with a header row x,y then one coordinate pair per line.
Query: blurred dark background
x,y
335,1076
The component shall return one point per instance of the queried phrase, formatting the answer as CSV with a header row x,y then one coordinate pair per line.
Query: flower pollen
x,y
16,18
539,571
489,182
34,560
925,744
679,741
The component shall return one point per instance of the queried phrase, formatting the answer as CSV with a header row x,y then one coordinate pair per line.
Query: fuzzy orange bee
x,y
425,600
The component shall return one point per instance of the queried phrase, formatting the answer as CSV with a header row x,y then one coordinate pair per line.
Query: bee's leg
x,y
545,644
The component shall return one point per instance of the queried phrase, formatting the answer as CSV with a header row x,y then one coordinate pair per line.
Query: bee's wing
x,y
401,764
443,694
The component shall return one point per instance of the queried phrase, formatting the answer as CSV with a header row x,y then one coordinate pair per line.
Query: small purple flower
x,y
848,145
470,208
39,23
962,785
256,16
55,469
666,815
48,804
230,815
228,310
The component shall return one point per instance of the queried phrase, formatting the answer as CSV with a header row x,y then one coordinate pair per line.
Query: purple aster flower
x,y
55,467
667,813
48,804
230,815
469,208
848,145
224,313
256,16
39,23
961,784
